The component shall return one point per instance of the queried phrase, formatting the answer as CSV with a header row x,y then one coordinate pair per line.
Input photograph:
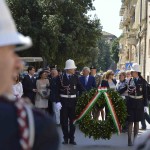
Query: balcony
x,y
121,25
122,9
126,18
132,40
126,2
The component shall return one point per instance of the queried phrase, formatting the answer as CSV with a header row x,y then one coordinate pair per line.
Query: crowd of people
x,y
56,93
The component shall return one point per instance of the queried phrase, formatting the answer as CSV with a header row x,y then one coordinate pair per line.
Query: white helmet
x,y
70,64
8,31
135,67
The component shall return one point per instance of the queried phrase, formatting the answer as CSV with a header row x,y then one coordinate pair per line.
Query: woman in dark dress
x,y
109,82
137,101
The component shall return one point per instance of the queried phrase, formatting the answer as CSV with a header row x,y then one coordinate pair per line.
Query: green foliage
x,y
115,50
100,129
60,30
104,59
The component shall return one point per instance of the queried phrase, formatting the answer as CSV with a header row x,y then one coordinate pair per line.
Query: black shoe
x,y
65,142
130,143
73,143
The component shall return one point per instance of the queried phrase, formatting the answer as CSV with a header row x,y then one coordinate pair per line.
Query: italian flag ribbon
x,y
110,106
113,113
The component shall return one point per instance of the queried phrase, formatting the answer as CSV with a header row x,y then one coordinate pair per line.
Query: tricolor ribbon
x,y
110,106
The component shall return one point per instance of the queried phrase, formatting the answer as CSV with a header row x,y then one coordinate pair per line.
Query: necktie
x,y
69,77
32,79
86,80
135,80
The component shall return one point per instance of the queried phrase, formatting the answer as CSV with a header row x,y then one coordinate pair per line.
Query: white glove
x,y
146,109
58,106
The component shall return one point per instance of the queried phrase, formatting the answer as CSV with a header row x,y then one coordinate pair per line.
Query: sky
x,y
108,12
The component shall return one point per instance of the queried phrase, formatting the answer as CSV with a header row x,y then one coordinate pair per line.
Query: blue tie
x,y
69,77
135,80
86,80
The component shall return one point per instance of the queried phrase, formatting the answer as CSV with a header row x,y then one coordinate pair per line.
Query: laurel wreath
x,y
99,129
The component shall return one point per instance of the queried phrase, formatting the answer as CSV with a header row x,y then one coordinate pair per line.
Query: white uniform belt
x,y
136,97
67,96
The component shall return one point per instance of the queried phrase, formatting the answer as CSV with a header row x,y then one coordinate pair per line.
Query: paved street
x,y
116,143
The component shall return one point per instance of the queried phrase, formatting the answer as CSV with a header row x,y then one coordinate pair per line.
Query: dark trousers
x,y
50,108
67,115
147,118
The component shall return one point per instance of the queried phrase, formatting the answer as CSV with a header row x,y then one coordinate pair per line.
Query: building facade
x,y
135,38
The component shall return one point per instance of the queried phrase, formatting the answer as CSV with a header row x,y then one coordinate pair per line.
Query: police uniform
x,y
137,99
69,88
37,132
136,102
98,78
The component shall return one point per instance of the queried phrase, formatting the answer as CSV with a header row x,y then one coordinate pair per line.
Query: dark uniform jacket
x,y
46,137
28,86
138,88
67,86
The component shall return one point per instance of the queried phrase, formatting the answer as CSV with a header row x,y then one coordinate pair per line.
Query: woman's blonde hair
x,y
123,73
104,76
108,73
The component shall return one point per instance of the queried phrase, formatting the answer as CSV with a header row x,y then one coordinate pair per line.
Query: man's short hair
x,y
92,67
86,68
30,68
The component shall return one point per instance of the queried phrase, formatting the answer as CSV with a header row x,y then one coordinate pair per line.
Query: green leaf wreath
x,y
98,128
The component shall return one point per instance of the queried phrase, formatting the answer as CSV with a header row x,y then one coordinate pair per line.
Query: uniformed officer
x,y
98,78
68,87
22,127
137,101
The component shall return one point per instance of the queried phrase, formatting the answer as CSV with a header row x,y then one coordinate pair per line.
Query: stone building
x,y
109,38
135,38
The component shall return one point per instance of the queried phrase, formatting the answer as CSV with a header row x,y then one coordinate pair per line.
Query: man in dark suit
x,y
87,80
29,84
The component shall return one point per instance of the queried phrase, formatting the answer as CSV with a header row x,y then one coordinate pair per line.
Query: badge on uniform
x,y
140,89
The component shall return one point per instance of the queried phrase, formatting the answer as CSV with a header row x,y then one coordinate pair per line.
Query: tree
x,y
60,30
115,50
104,59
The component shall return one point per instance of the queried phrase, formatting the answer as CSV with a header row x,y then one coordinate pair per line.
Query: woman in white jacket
x,y
17,89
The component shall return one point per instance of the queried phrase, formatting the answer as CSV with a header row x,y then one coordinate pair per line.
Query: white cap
x,y
8,32
70,64
135,67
